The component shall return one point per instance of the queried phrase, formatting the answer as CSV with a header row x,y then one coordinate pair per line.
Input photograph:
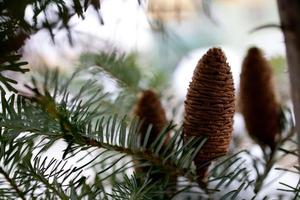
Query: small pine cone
x,y
209,108
150,110
258,100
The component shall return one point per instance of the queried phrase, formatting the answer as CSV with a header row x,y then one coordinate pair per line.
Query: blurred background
x,y
167,36
166,39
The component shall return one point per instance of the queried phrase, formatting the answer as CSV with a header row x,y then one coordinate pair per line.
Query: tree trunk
x,y
289,11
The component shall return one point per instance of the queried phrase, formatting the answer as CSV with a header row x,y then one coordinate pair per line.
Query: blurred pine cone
x,y
209,108
258,100
150,110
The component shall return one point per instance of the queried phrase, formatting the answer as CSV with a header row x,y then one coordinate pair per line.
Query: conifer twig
x,y
270,161
13,184
145,154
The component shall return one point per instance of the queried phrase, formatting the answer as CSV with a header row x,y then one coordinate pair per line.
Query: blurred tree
x,y
290,24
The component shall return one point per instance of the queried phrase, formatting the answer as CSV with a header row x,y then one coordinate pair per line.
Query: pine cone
x,y
258,100
150,110
209,108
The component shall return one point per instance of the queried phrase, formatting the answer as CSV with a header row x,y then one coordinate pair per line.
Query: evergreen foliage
x,y
15,29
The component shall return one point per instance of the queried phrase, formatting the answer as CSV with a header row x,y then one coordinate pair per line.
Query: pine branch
x,y
271,160
144,154
49,186
134,188
56,113
43,116
72,134
121,68
11,63
13,184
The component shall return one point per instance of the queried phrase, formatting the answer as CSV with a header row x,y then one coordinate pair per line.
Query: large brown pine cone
x,y
209,108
